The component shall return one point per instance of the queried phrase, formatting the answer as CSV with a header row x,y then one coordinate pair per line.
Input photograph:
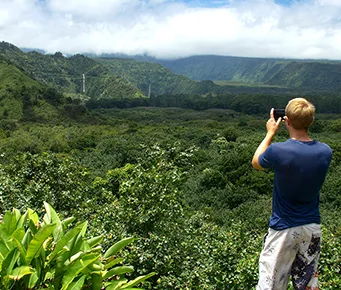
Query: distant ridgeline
x,y
248,85
104,78
120,76
243,72
310,75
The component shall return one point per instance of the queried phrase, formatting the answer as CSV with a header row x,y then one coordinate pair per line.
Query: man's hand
x,y
271,127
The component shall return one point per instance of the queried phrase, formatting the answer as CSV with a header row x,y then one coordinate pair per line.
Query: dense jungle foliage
x,y
178,180
166,179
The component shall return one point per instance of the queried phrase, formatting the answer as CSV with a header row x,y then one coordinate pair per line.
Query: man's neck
x,y
300,135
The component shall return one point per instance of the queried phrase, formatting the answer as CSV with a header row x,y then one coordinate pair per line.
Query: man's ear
x,y
287,121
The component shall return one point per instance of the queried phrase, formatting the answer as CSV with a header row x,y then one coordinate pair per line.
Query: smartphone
x,y
279,113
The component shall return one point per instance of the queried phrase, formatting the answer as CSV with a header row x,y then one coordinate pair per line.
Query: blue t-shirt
x,y
300,170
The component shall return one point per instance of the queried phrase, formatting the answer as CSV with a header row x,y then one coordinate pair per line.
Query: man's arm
x,y
271,127
261,148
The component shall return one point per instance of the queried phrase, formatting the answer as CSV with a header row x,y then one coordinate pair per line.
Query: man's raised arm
x,y
271,127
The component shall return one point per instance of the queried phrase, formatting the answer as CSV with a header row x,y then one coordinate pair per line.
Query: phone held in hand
x,y
279,113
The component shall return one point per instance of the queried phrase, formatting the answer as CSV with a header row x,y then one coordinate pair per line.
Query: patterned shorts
x,y
294,251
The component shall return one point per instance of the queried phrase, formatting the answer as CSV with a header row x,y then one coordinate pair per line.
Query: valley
x,y
158,151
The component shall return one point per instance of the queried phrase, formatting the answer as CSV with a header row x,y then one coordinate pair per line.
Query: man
x,y
292,244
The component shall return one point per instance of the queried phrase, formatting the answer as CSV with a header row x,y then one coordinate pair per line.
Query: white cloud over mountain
x,y
263,28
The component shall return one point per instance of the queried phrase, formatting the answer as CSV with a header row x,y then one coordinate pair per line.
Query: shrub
x,y
51,254
30,179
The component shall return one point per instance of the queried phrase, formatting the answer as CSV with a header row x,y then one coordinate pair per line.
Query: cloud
x,y
257,28
90,10
329,2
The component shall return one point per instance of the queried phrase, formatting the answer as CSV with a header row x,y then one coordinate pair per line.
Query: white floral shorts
x,y
294,251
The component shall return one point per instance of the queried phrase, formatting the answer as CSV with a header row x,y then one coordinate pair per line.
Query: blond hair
x,y
300,113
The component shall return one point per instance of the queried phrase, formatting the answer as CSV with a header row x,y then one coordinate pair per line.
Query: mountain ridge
x,y
304,74
123,76
103,79
66,73
300,74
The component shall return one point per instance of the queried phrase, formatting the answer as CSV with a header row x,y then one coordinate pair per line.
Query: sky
x,y
303,29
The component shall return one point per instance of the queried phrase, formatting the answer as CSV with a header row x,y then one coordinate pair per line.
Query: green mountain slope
x,y
22,98
66,74
317,75
119,78
302,74
156,78
213,67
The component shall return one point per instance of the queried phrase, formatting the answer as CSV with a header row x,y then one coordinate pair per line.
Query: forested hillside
x,y
160,80
309,75
23,98
154,79
212,67
66,74
303,74
120,78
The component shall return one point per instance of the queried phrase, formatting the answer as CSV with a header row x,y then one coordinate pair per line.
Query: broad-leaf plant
x,y
52,254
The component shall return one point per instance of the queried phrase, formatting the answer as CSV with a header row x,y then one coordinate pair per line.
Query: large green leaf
x,y
3,252
27,238
34,278
10,261
77,285
37,242
137,280
20,272
85,226
96,280
22,220
33,226
17,215
40,267
33,216
77,243
4,235
95,241
78,266
9,223
51,217
114,285
113,250
18,236
6,239
66,222
118,271
113,262
60,260
63,241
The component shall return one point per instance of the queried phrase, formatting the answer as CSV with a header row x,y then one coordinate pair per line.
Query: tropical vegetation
x,y
94,188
